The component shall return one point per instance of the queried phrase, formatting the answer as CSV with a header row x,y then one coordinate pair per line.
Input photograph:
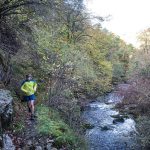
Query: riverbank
x,y
136,103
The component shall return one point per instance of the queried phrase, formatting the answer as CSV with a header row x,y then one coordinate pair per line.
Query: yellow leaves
x,y
105,64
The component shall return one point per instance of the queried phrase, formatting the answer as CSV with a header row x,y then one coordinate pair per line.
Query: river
x,y
109,130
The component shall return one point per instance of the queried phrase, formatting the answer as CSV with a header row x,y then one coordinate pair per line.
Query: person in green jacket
x,y
29,87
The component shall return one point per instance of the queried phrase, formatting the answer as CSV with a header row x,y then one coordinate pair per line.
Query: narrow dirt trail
x,y
29,138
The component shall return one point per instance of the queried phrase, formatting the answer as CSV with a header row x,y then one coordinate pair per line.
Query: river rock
x,y
117,120
106,127
120,116
6,109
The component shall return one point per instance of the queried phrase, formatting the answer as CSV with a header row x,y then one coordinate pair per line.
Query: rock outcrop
x,y
6,108
7,143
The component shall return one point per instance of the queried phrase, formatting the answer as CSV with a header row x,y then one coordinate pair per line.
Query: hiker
x,y
29,87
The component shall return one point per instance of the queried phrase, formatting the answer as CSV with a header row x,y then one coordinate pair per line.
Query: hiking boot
x,y
35,116
29,110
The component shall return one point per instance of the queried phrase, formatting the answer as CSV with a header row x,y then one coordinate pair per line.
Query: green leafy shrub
x,y
118,71
50,123
146,71
143,127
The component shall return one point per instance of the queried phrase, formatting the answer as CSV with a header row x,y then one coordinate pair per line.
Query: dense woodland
x,y
73,60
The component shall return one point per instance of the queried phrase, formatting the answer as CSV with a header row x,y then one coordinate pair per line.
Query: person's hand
x,y
34,89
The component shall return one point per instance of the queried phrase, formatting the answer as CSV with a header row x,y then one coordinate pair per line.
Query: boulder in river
x,y
120,116
106,127
118,120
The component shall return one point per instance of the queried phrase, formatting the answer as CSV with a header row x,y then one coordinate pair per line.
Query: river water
x,y
107,132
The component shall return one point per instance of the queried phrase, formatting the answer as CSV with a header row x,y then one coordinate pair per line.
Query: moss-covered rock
x,y
88,126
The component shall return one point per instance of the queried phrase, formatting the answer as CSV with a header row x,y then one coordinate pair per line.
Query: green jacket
x,y
29,87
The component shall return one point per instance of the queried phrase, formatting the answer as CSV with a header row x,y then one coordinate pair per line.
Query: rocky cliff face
x,y
5,69
6,109
9,46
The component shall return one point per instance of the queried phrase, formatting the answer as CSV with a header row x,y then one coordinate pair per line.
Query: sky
x,y
128,17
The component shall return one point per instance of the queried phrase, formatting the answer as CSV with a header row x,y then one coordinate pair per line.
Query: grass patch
x,y
50,123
